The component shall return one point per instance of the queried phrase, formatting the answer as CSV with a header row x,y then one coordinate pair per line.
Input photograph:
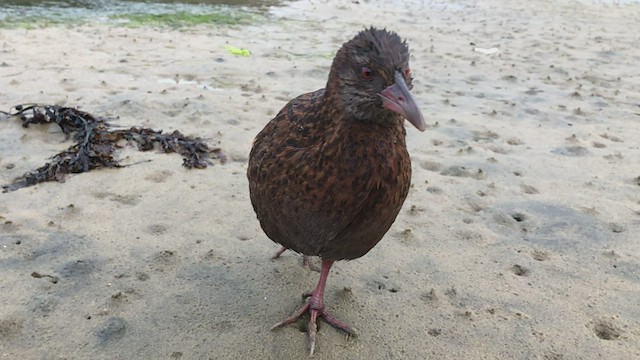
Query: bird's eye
x,y
407,72
367,73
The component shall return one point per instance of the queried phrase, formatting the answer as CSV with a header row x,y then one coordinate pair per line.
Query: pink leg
x,y
305,258
315,308
277,255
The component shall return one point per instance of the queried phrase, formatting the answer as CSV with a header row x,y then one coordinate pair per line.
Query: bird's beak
x,y
397,98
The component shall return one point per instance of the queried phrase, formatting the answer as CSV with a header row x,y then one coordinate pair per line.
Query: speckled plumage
x,y
323,185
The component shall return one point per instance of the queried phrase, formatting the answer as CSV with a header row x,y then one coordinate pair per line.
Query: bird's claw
x,y
291,319
312,330
329,319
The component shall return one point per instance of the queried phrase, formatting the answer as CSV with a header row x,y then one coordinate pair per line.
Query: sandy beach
x,y
518,240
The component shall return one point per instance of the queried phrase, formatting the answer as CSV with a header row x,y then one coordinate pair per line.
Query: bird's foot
x,y
315,311
315,307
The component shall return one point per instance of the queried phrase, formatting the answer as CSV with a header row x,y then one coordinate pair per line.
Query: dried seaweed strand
x,y
96,143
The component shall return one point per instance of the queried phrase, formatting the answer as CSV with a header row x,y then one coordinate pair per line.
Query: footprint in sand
x,y
498,149
539,255
519,270
606,330
614,157
384,285
407,237
616,228
484,136
43,305
80,268
462,171
11,326
431,165
159,176
157,229
113,329
69,211
528,189
510,78
123,297
611,137
574,151
164,260
67,85
514,141
122,199
429,296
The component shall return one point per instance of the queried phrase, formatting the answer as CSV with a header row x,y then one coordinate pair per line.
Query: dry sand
x,y
519,238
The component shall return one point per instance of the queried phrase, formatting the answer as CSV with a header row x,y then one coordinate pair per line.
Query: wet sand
x,y
519,238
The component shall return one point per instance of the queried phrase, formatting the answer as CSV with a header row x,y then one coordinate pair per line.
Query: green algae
x,y
177,19
184,19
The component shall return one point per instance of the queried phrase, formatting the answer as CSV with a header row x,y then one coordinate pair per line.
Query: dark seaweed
x,y
96,142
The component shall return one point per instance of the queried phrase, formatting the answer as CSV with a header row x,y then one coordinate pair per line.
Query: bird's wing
x,y
301,195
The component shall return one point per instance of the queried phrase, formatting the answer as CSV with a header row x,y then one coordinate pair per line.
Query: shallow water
x,y
100,10
97,4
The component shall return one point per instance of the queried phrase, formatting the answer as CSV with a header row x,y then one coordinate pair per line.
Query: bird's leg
x,y
277,255
315,308
305,258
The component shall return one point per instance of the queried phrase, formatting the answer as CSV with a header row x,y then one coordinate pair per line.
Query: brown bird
x,y
329,174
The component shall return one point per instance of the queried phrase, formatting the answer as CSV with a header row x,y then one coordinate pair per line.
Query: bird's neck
x,y
384,123
343,133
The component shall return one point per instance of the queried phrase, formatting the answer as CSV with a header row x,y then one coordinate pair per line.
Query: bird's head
x,y
371,79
